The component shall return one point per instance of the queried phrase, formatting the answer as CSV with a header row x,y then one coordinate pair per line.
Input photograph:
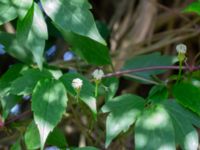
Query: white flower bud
x,y
77,83
98,74
181,48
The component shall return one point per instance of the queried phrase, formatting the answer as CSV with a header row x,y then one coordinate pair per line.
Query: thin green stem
x,y
96,89
180,71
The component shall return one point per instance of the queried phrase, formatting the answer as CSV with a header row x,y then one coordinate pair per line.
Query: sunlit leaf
x,y
74,20
10,10
123,112
154,130
32,137
49,102
7,13
32,32
74,16
188,95
28,45
25,84
16,48
183,121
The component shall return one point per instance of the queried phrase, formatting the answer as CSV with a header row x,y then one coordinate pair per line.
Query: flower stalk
x,y
97,75
181,50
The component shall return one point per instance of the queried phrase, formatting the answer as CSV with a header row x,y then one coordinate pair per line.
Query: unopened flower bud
x,y
77,84
181,48
98,74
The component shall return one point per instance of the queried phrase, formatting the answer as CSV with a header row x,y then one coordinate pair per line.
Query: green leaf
x,y
56,73
193,7
174,108
86,93
154,130
25,84
16,48
16,146
32,32
49,102
24,25
88,49
21,7
79,29
149,60
9,10
182,119
57,138
7,13
32,137
103,29
111,87
188,95
28,45
158,93
10,75
8,102
123,112
74,16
